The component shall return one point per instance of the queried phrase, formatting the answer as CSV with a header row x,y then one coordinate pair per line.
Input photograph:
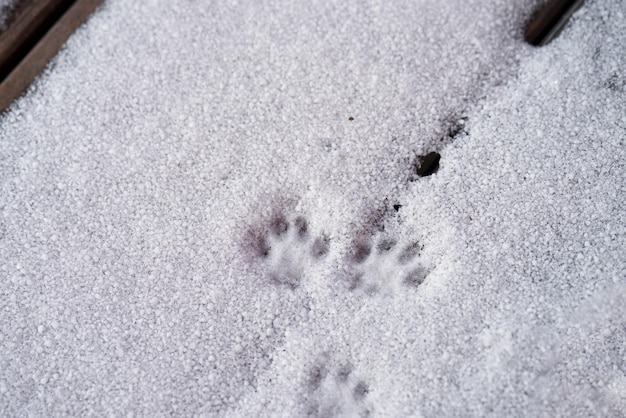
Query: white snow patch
x,y
143,272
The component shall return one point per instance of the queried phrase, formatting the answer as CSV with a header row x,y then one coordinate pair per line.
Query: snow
x,y
6,6
211,211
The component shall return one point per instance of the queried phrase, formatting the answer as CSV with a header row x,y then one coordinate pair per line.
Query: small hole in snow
x,y
428,164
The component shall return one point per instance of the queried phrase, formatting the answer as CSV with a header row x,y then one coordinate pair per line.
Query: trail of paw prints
x,y
334,390
383,265
287,246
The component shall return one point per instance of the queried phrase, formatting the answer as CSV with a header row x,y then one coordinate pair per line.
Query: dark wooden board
x,y
549,20
34,38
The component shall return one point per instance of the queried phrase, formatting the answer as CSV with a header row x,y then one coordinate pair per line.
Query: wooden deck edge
x,y
16,83
550,20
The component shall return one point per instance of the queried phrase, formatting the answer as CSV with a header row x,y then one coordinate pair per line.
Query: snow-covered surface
x,y
208,210
6,6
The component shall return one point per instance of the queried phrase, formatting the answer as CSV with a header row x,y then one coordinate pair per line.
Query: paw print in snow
x,y
385,266
287,248
335,390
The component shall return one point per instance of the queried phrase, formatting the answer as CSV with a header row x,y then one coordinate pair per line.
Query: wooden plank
x,y
550,20
11,11
26,30
51,40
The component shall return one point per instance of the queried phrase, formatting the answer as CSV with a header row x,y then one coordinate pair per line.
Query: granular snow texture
x,y
212,210
6,7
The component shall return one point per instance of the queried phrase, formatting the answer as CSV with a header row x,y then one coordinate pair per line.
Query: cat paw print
x,y
287,247
335,390
384,265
